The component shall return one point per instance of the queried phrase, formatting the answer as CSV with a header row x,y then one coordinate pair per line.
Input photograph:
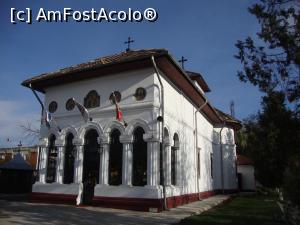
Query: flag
x,y
48,119
119,114
84,112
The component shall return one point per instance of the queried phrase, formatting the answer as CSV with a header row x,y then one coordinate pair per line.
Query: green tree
x,y
274,64
271,139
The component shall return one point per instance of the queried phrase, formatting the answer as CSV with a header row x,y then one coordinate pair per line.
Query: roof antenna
x,y
128,42
232,113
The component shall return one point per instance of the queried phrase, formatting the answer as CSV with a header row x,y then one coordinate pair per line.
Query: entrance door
x,y
91,163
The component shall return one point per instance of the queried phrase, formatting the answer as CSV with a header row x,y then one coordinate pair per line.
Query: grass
x,y
242,210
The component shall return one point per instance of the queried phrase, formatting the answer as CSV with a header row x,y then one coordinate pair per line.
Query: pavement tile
x,y
18,213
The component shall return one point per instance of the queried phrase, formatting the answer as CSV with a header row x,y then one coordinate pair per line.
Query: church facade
x,y
170,148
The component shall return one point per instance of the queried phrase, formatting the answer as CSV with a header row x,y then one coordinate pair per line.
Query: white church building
x,y
172,146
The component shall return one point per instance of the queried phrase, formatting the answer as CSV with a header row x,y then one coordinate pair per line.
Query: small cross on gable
x,y
128,42
182,60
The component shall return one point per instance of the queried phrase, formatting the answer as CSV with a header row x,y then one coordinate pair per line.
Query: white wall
x,y
248,179
126,83
180,118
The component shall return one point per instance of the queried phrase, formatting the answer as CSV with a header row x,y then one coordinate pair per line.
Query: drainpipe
x,y
162,133
42,113
196,148
39,100
221,157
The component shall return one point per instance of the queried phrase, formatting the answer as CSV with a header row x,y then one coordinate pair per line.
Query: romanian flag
x,y
84,112
119,114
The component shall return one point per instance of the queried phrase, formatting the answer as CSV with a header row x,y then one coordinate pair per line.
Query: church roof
x,y
17,163
229,120
200,80
122,57
131,60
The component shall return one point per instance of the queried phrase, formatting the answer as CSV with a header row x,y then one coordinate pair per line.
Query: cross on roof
x,y
128,43
19,146
182,60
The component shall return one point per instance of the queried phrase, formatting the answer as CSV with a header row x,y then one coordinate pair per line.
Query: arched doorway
x,y
52,160
91,161
115,158
139,168
69,160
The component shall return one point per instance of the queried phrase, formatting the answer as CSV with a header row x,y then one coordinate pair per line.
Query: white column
x,y
78,167
60,164
127,140
153,163
103,140
167,165
38,158
43,163
177,166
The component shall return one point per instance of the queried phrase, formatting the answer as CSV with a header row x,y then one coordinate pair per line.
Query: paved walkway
x,y
44,214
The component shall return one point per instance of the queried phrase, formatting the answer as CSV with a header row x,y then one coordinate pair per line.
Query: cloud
x,y
13,114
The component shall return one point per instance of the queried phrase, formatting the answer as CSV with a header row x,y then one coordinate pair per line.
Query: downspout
x,y
196,148
162,129
221,157
42,113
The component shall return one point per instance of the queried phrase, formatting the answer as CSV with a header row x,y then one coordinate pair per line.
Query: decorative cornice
x,y
151,137
103,139
59,142
43,142
78,141
126,139
167,142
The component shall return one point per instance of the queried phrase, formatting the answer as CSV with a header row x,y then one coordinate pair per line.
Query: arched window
x,y
69,160
139,170
92,100
91,164
115,159
91,158
174,159
52,160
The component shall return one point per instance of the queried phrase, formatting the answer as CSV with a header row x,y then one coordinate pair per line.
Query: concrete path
x,y
44,214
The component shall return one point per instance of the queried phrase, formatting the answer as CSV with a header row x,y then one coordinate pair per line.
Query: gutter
x,y
196,148
42,113
162,133
221,157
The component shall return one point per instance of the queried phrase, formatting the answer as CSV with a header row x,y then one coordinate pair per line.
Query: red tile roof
x,y
243,160
229,119
200,80
99,62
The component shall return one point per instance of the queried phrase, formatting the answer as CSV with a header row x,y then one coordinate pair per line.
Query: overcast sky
x,y
204,32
